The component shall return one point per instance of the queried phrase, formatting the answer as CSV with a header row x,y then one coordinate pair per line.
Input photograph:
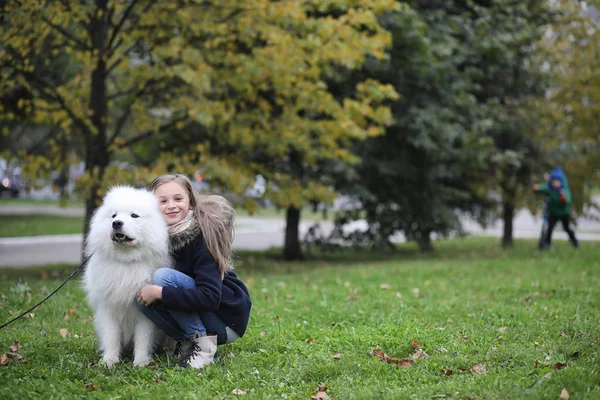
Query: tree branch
x,y
121,121
82,45
146,135
55,96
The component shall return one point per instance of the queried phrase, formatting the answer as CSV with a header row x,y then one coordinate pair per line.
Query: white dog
x,y
127,241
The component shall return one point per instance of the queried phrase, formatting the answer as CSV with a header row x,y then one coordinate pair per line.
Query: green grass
x,y
5,201
35,225
545,307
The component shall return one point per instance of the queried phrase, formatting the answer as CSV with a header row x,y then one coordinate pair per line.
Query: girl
x,y
200,303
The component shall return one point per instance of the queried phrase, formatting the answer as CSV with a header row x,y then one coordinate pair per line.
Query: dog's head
x,y
129,225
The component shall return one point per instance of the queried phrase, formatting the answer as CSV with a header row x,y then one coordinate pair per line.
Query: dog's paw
x,y
141,362
108,362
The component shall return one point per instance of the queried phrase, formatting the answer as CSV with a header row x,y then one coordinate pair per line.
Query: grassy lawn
x,y
5,201
496,321
35,225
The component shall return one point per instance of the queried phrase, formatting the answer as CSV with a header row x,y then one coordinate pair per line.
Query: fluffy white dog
x,y
128,240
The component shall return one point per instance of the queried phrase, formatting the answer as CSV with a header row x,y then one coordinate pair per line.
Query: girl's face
x,y
173,202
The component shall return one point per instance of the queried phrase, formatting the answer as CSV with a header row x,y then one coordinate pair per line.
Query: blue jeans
x,y
179,324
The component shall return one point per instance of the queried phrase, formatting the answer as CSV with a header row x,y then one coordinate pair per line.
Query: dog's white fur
x,y
117,271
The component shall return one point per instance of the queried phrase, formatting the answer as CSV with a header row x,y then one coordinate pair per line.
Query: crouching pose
x,y
200,303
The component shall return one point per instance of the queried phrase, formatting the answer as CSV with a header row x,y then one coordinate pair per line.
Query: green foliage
x,y
569,127
229,86
518,312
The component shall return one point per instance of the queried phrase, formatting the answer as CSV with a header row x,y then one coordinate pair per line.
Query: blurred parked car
x,y
10,179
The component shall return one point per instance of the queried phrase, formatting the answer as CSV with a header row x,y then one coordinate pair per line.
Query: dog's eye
x,y
134,216
114,215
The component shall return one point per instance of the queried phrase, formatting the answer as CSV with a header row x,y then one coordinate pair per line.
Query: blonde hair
x,y
216,217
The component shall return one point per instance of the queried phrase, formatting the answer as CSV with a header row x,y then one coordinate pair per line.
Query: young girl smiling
x,y
200,302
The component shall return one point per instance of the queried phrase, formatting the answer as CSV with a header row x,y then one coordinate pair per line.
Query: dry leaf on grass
x,y
383,357
336,356
478,368
3,359
385,286
91,387
15,346
14,356
503,329
420,354
158,377
154,364
320,393
564,395
442,350
463,338
310,340
64,332
575,355
415,344
238,392
558,366
446,372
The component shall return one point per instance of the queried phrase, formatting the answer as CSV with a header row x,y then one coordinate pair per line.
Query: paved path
x,y
251,234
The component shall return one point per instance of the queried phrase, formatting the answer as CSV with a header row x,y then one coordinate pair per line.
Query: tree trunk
x,y
291,249
508,213
424,242
97,153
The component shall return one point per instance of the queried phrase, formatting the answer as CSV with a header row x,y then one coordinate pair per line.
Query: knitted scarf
x,y
184,231
182,225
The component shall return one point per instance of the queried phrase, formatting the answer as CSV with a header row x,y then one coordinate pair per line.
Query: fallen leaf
x,y
310,340
597,340
64,332
15,346
14,356
158,377
442,350
558,366
463,338
564,395
385,286
415,344
446,372
336,356
383,357
564,334
88,319
66,317
503,329
405,363
320,393
416,292
575,355
478,368
10,312
72,310
154,364
537,362
3,359
238,392
420,354
91,387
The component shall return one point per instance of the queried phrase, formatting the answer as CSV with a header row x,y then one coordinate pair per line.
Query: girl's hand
x,y
149,294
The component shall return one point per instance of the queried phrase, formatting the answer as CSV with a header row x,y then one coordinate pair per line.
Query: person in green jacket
x,y
558,205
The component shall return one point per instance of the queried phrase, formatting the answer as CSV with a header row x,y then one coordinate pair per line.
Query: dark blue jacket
x,y
227,297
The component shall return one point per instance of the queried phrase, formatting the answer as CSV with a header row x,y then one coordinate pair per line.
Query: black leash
x,y
81,267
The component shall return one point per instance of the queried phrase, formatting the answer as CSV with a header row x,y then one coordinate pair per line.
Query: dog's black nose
x,y
117,224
